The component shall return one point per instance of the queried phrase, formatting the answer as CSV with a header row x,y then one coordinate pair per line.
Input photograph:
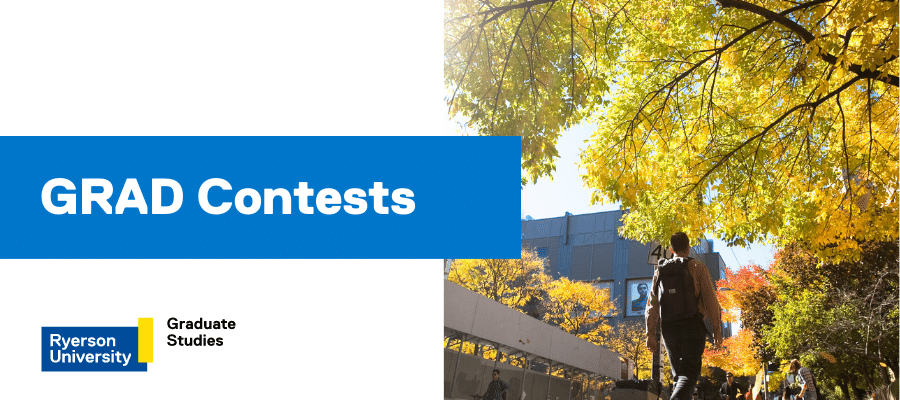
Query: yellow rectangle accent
x,y
145,340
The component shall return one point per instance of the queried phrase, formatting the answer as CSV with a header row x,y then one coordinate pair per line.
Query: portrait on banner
x,y
638,292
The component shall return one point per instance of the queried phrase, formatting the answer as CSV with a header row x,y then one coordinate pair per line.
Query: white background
x,y
302,330
372,330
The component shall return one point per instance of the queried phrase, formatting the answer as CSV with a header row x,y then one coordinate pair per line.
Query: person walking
x,y
789,386
805,379
496,389
729,389
682,295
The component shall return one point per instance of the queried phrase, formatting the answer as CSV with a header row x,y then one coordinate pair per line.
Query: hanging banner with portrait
x,y
638,292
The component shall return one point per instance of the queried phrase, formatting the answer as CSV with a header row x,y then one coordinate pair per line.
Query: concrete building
x,y
583,370
588,248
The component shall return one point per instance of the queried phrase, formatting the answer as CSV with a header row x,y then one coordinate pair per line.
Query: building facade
x,y
588,248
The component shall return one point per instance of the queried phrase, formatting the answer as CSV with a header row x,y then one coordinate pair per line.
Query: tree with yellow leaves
x,y
578,308
630,340
511,282
736,355
762,120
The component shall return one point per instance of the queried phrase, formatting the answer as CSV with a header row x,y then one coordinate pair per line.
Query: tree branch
x,y
505,64
768,128
847,178
808,37
498,11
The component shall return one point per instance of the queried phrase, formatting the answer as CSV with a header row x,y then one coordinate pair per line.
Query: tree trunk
x,y
843,384
866,377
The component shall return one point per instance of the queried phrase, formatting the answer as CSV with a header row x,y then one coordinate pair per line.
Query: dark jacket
x,y
730,391
495,390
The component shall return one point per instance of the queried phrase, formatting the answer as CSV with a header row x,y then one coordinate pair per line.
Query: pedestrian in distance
x,y
805,379
729,389
681,297
497,388
789,386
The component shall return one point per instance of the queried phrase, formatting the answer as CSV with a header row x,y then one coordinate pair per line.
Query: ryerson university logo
x,y
97,348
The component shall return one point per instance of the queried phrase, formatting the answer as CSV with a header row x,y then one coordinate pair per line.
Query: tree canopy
x,y
579,308
764,120
839,318
744,291
849,310
629,340
512,282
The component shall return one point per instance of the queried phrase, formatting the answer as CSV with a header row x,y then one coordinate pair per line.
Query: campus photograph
x,y
709,200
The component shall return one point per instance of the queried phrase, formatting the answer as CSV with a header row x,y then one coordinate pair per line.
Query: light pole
x,y
656,373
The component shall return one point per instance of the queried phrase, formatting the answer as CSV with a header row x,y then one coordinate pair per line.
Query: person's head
x,y
495,375
794,366
730,377
680,243
642,289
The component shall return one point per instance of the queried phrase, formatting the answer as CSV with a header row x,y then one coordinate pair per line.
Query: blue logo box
x,y
90,349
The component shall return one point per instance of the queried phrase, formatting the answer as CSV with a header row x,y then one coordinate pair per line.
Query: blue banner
x,y
260,197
